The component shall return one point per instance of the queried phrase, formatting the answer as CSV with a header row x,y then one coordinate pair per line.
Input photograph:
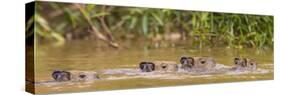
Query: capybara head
x,y
197,63
245,64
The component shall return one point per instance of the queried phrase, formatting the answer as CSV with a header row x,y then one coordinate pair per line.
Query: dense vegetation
x,y
59,22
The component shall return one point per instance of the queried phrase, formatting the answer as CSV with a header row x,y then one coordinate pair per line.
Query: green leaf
x,y
133,23
90,7
42,22
157,19
71,17
144,24
204,16
100,14
58,37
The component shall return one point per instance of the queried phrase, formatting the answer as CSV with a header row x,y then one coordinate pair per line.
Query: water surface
x,y
119,67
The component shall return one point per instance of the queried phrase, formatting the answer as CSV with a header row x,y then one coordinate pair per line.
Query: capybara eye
x,y
164,67
251,63
82,76
203,62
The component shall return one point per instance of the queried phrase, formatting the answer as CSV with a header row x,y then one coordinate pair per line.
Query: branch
x,y
104,26
95,31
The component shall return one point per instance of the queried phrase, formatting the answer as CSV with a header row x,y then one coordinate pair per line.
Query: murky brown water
x,y
83,55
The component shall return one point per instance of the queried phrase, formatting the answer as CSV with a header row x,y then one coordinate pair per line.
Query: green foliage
x,y
43,29
204,28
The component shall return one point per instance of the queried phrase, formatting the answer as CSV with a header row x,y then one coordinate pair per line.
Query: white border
x,y
12,46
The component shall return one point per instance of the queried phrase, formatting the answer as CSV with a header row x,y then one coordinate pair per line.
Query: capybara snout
x,y
61,75
147,66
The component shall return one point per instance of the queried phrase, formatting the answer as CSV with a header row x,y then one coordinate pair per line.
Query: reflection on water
x,y
119,67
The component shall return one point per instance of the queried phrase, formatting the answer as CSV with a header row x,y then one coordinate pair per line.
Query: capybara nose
x,y
147,66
